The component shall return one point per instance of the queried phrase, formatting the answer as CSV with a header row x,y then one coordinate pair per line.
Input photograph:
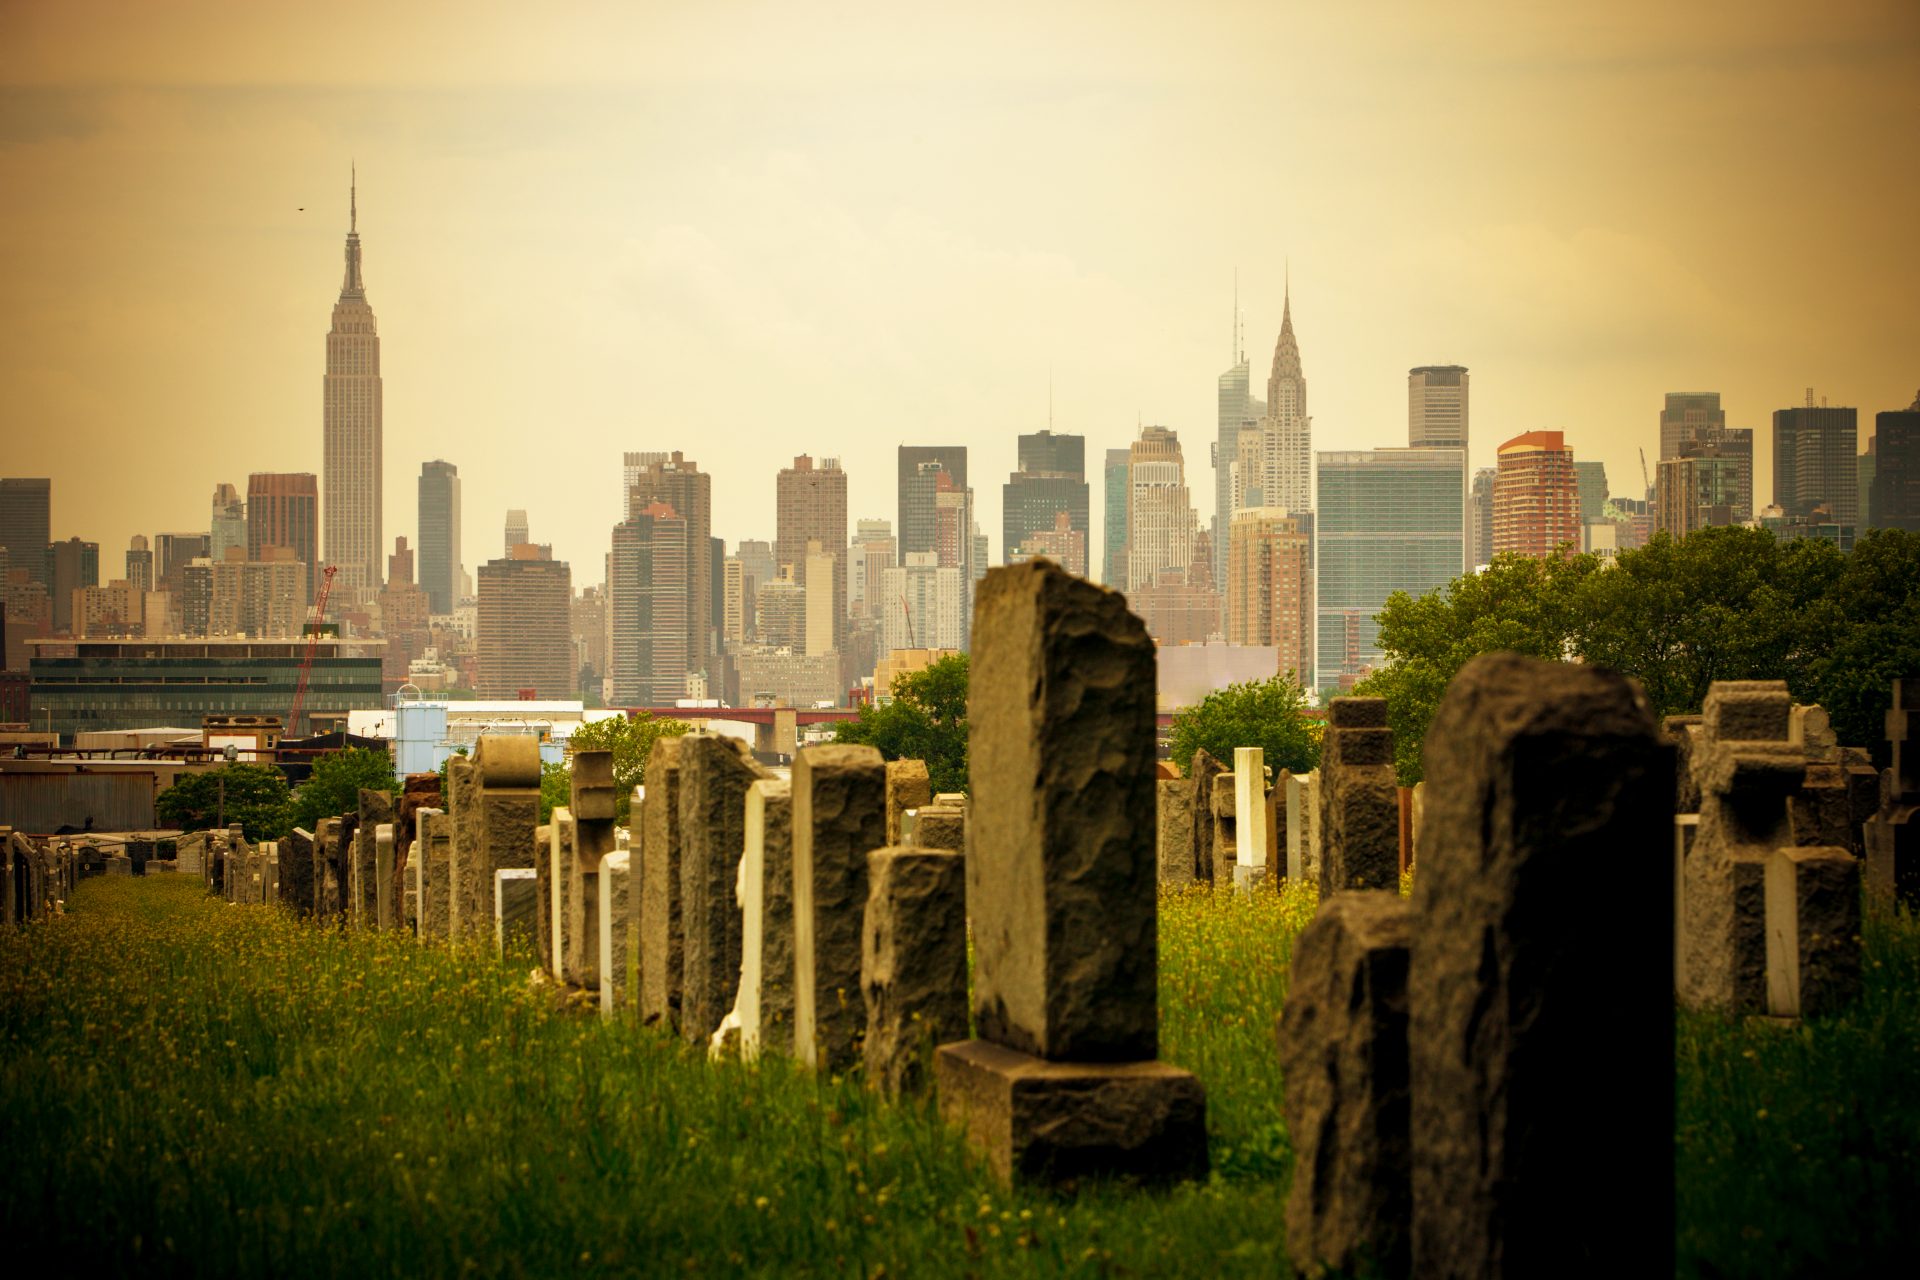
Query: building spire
x,y
353,199
352,286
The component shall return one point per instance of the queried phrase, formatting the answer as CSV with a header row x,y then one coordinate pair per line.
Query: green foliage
x,y
336,782
1269,714
253,795
631,741
926,720
556,788
1721,604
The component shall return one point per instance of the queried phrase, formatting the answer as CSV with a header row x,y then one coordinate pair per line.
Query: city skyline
x,y
523,260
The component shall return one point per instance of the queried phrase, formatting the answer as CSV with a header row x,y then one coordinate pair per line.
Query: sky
x,y
751,231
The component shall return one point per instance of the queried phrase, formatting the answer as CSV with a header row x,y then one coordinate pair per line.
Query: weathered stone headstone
x,y
913,965
659,914
465,858
765,1001
326,839
615,872
376,810
1226,835
941,825
593,810
1746,769
1542,771
1683,732
1062,1082
1250,812
1360,798
908,787
296,871
385,917
551,842
1892,835
507,768
516,903
435,833
715,772
1813,931
1343,1058
1174,828
1201,771
839,817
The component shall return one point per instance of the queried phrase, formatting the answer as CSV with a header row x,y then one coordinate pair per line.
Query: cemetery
x,y
1603,994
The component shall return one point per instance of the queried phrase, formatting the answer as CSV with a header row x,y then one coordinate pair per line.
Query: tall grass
x,y
188,1086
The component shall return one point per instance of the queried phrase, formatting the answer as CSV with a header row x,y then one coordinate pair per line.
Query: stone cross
x,y
1062,1082
1813,930
1361,800
765,1001
913,962
1541,772
839,817
715,772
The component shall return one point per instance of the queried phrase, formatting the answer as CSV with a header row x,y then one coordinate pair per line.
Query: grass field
x,y
187,1086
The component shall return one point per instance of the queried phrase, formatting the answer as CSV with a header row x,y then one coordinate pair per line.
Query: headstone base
x,y
1049,1123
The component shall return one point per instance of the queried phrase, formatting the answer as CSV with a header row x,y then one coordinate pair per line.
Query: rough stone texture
x,y
593,805
908,787
516,903
433,848
1361,800
1053,1123
1818,814
1683,732
1813,931
1223,816
659,914
839,816
1061,875
1744,787
913,962
614,877
1343,1058
296,871
1201,771
1523,979
941,826
384,915
1811,730
467,910
1892,836
1686,826
417,791
715,772
508,768
376,810
549,921
766,909
326,893
1175,831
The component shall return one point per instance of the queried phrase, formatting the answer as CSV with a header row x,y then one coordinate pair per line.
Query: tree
x,y
253,795
925,720
556,788
631,741
1862,636
335,784
1270,714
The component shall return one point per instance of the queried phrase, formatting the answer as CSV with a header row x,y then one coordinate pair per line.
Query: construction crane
x,y
1645,479
313,643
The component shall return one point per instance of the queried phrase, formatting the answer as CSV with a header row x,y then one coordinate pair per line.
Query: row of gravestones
x,y
36,876
1432,1050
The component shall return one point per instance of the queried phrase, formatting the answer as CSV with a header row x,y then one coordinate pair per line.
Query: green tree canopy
x,y
1270,714
631,741
926,720
556,788
335,784
253,795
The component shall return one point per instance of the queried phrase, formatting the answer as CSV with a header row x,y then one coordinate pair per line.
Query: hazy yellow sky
x,y
750,231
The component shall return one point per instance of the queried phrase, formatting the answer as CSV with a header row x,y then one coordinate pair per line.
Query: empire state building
x,y
350,484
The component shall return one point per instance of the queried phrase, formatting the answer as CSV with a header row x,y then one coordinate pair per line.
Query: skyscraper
x,y
1814,452
678,482
1697,416
283,510
1437,407
139,564
1160,519
1536,495
874,551
1114,568
1480,517
1237,411
229,523
71,565
1286,433
1270,586
26,507
354,440
173,552
647,597
1052,479
526,628
1896,479
1695,489
917,484
1590,478
518,533
440,534
810,506
1389,520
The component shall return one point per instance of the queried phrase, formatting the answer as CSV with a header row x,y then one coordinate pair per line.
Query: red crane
x,y
313,642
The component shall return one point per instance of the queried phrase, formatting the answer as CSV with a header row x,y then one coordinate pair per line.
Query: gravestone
x,y
941,825
592,809
611,915
326,838
1201,771
839,817
1523,978
296,871
516,904
429,857
715,772
659,911
1813,931
1343,1058
376,810
464,877
1746,769
506,767
1250,812
1223,811
908,787
1174,841
1062,1082
385,917
765,1001
1359,798
913,963
552,844
1683,732
1892,835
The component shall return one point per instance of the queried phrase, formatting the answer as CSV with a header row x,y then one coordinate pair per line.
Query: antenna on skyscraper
x,y
353,196
1236,315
